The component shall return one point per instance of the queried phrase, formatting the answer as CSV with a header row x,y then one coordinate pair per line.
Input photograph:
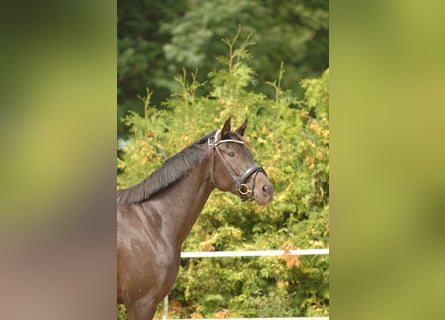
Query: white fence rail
x,y
261,253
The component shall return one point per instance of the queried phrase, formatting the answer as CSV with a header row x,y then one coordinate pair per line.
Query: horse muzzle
x,y
261,190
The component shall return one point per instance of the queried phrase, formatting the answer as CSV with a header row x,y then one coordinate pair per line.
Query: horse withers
x,y
155,216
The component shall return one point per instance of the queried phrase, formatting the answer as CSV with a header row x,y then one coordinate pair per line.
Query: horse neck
x,y
187,197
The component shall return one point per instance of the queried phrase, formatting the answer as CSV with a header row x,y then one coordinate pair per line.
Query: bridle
x,y
244,191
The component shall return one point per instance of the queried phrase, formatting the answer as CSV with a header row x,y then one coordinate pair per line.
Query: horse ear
x,y
227,127
242,128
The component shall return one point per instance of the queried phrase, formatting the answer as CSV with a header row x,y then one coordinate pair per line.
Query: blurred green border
x,y
387,169
58,105
58,159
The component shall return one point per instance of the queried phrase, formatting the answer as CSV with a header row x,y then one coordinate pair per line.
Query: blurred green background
x,y
387,168
57,164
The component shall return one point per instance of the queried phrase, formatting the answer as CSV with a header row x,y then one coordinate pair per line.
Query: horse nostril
x,y
265,188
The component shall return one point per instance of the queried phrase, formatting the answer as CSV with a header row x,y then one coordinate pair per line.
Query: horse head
x,y
234,169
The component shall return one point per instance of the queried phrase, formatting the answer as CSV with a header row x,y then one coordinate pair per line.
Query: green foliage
x,y
157,38
121,312
290,139
140,57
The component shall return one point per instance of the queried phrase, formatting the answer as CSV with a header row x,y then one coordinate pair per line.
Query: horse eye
x,y
231,154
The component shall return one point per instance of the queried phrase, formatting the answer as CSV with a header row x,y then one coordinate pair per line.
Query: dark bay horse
x,y
155,216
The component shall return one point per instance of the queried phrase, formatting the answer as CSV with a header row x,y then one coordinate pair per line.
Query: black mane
x,y
174,169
